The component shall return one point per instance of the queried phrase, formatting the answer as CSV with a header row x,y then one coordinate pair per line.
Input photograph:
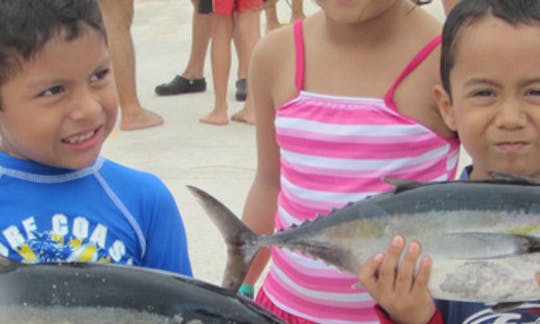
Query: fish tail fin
x,y
242,243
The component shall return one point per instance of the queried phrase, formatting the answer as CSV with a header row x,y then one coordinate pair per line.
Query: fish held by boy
x,y
63,292
483,236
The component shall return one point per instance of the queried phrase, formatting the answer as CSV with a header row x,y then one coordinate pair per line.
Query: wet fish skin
x,y
127,287
483,236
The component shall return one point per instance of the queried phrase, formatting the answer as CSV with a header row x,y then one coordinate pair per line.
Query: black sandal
x,y
241,90
180,85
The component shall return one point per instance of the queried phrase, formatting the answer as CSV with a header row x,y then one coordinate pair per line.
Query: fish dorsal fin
x,y
506,177
402,184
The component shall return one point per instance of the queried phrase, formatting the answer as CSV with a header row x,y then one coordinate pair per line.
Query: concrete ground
x,y
219,159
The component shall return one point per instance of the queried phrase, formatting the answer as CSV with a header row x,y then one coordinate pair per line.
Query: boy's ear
x,y
445,107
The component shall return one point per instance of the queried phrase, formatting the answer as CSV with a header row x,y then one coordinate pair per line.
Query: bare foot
x,y
215,118
142,119
244,116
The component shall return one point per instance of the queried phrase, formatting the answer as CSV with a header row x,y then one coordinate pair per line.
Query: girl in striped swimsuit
x,y
342,99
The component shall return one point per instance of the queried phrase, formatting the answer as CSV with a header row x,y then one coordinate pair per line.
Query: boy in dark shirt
x,y
491,96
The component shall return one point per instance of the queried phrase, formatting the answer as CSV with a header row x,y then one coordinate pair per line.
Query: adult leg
x,y
220,50
270,13
297,10
192,79
118,16
200,38
248,32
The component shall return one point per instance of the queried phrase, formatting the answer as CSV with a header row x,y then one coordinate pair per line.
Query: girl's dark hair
x,y
468,12
26,25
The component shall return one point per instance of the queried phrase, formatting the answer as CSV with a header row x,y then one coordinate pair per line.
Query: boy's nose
x,y
85,104
511,114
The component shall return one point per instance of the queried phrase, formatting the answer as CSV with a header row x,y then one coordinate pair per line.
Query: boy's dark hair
x,y
468,12
26,25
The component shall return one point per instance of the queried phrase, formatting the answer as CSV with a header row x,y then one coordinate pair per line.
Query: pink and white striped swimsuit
x,y
335,150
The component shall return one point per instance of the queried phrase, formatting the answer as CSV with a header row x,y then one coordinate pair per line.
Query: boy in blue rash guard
x,y
490,70
60,201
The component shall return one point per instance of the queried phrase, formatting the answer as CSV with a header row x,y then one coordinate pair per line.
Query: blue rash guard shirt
x,y
479,313
103,213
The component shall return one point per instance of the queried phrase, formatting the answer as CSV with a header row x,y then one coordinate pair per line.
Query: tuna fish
x,y
53,293
483,236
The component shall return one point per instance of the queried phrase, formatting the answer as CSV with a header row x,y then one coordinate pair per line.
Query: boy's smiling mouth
x,y
81,137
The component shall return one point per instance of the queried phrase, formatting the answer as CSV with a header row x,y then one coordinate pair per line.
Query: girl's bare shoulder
x,y
275,45
273,63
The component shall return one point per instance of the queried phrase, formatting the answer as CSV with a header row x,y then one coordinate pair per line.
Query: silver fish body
x,y
45,293
483,237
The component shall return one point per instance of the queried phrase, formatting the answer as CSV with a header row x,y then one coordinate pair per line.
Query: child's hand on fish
x,y
401,292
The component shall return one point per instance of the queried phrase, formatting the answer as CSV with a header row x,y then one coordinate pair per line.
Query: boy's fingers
x,y
405,275
370,269
387,270
422,277
538,278
368,275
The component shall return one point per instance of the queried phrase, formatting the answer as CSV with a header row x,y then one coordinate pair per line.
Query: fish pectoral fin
x,y
464,245
506,307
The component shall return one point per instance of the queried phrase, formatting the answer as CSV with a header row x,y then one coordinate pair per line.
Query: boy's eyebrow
x,y
37,83
477,81
529,81
105,62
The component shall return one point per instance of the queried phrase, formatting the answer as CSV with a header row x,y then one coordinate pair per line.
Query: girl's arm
x,y
260,206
